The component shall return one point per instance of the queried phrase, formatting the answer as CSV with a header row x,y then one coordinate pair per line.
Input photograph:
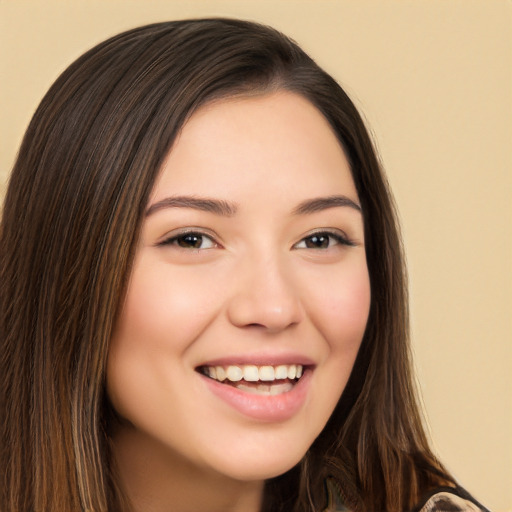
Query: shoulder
x,y
442,499
448,499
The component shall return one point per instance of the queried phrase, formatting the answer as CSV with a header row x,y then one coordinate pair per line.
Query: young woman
x,y
204,303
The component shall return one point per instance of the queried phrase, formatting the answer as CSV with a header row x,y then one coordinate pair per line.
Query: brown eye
x,y
320,241
191,240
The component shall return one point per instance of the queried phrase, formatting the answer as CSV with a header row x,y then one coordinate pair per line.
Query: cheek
x,y
165,310
162,316
342,308
339,311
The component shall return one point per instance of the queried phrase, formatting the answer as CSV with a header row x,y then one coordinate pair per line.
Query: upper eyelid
x,y
335,232
325,230
188,231
329,231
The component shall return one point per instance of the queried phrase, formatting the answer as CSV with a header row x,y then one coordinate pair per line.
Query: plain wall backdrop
x,y
433,79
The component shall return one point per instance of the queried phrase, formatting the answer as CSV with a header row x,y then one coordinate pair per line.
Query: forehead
x,y
278,141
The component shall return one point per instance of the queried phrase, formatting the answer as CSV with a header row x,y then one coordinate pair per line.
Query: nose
x,y
265,295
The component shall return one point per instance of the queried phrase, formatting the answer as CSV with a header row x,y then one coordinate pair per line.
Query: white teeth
x,y
253,373
221,373
281,372
266,389
234,373
277,389
267,373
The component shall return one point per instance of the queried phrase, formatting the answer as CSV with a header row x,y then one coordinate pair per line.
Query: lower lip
x,y
267,408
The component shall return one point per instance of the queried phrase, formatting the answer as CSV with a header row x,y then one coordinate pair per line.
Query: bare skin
x,y
251,259
153,485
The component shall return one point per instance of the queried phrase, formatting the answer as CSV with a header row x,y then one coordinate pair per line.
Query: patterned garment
x,y
441,500
449,502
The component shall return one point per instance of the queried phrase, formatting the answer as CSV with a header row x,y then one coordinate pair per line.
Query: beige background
x,y
433,78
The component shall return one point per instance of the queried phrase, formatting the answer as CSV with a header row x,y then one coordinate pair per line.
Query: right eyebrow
x,y
206,204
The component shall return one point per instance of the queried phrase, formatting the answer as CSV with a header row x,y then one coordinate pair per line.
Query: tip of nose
x,y
270,319
269,302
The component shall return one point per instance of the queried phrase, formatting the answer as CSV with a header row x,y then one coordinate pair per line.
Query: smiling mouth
x,y
261,380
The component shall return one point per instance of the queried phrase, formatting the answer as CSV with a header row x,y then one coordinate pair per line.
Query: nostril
x,y
251,314
265,298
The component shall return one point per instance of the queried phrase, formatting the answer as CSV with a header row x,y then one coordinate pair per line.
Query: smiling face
x,y
249,293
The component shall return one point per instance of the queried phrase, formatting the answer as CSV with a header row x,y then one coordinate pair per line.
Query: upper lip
x,y
259,359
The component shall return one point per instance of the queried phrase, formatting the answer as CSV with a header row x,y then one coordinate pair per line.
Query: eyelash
x,y
339,238
175,240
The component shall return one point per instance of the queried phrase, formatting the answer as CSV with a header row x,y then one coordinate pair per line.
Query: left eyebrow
x,y
323,203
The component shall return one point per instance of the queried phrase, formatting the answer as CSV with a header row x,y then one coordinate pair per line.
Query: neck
x,y
155,479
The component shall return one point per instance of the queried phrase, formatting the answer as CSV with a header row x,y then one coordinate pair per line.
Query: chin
x,y
263,464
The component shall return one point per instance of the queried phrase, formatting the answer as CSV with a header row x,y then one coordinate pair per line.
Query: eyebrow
x,y
217,206
228,209
323,203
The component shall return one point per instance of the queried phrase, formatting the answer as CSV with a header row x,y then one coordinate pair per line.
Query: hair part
x,y
71,222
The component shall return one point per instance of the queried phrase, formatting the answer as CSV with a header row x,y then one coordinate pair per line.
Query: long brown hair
x,y
70,224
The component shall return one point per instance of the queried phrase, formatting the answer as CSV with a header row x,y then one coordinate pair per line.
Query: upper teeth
x,y
253,373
